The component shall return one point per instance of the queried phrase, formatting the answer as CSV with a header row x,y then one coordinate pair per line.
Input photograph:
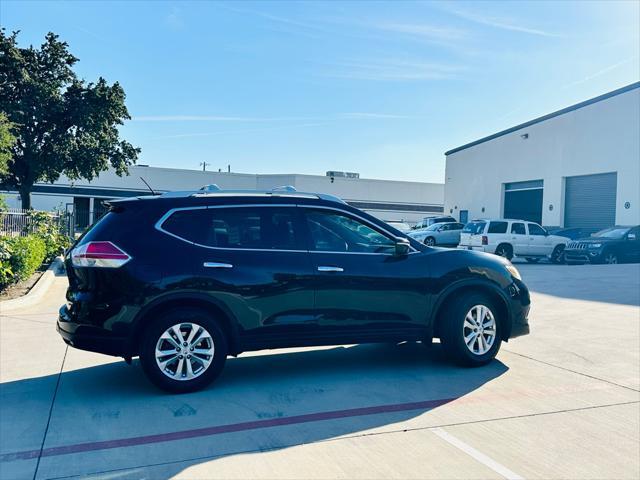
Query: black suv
x,y
186,278
611,245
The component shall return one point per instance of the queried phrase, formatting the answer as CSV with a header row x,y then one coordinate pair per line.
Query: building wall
x,y
412,195
598,138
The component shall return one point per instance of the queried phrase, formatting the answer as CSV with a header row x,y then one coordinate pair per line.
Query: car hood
x,y
559,239
596,240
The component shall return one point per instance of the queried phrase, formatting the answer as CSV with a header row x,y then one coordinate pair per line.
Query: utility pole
x,y
204,166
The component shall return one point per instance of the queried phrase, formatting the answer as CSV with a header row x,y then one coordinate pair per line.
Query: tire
x,y
205,366
610,258
557,256
455,328
532,260
505,250
430,241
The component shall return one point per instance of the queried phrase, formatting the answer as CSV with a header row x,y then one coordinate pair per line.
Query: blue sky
x,y
379,88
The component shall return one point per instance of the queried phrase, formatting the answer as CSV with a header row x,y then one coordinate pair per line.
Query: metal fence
x,y
16,222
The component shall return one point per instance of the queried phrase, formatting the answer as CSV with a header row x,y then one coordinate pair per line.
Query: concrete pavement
x,y
562,402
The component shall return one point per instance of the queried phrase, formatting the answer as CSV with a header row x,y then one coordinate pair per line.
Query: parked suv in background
x,y
185,279
611,245
509,238
439,234
428,221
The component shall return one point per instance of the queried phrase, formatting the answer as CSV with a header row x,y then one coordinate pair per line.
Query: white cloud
x,y
394,70
600,72
500,22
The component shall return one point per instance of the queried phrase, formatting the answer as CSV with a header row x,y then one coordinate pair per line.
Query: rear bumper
x,y
87,337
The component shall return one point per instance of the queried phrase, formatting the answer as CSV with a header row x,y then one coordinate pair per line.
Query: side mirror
x,y
631,236
402,246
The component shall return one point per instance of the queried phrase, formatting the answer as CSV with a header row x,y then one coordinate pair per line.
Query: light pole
x,y
204,166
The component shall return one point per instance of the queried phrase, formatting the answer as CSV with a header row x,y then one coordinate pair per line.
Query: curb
x,y
37,291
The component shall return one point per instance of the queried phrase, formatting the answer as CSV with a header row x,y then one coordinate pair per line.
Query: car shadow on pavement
x,y
112,420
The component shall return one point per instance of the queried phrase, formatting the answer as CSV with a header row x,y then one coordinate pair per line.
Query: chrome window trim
x,y
163,218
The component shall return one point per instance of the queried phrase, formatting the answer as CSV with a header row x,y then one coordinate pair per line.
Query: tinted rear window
x,y
474,227
498,227
252,228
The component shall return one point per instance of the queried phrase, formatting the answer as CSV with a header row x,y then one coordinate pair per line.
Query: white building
x,y
577,167
385,199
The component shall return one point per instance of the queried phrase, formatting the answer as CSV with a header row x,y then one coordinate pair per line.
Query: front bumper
x,y
474,248
519,308
88,337
582,255
520,322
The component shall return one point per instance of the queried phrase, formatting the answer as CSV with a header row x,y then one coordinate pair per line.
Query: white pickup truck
x,y
509,238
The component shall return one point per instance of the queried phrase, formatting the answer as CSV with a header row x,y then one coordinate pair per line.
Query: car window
x,y
457,226
518,229
474,228
251,228
335,232
634,234
498,227
445,227
535,229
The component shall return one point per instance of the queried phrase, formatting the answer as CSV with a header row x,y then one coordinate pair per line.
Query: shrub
x,y
46,227
20,257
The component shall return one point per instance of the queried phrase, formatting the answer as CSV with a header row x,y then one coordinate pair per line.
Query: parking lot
x,y
562,402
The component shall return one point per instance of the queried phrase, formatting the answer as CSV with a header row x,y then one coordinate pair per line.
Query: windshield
x,y
613,232
474,228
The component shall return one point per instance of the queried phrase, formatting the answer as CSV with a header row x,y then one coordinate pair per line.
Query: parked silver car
x,y
440,234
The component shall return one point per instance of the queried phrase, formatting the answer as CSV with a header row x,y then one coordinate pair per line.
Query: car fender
x,y
458,285
183,298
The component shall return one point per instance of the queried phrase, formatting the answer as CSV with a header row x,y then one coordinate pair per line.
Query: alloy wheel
x,y
479,329
430,242
611,259
184,351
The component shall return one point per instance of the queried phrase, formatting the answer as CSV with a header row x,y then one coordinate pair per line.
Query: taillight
x,y
98,254
485,240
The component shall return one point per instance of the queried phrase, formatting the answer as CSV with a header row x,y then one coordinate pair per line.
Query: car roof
x,y
213,191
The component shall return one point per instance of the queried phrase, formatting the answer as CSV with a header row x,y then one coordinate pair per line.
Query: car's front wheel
x,y
183,350
430,241
471,331
557,256
610,258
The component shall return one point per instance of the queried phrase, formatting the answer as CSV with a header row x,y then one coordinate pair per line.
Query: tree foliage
x,y
7,140
62,124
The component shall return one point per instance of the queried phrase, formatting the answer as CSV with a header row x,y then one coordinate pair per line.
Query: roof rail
x,y
284,188
212,187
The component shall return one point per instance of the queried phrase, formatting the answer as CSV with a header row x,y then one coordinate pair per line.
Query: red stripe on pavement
x,y
220,429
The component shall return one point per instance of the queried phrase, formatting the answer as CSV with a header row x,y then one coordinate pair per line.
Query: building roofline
x,y
547,117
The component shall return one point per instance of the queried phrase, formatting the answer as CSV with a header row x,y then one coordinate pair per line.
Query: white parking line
x,y
479,456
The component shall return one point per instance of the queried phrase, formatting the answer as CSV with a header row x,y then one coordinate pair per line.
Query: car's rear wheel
x,y
183,350
557,256
505,250
471,331
430,241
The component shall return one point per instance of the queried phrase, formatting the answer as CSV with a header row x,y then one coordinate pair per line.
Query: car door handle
x,y
324,268
216,265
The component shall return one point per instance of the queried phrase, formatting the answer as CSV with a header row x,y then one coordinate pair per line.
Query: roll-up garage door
x,y
590,200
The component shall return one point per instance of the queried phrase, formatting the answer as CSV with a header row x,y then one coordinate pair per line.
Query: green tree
x,y
62,124
7,140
